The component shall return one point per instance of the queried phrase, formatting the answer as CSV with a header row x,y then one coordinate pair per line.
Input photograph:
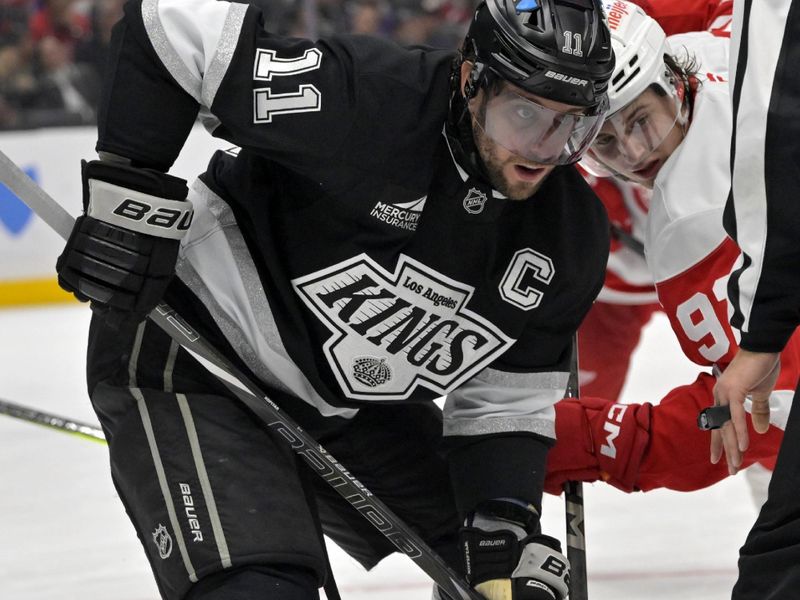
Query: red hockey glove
x,y
598,440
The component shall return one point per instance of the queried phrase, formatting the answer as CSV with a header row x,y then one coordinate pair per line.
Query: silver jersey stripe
x,y
159,466
487,426
501,402
205,483
169,369
549,380
222,58
216,265
165,50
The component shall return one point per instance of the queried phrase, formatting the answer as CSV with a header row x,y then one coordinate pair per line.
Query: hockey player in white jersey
x,y
612,329
669,131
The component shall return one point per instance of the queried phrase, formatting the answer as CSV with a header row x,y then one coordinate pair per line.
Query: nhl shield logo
x,y
163,541
474,201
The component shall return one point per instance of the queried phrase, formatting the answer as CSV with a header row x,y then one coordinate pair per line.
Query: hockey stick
x,y
627,240
317,458
38,417
573,498
573,490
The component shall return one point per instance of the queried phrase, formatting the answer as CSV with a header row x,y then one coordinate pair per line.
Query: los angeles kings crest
x,y
392,332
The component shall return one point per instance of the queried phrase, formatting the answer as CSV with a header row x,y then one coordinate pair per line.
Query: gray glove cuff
x,y
137,211
492,523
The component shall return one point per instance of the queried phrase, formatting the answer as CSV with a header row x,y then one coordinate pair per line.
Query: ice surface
x,y
64,534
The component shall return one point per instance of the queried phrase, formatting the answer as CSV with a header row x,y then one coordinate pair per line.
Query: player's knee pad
x,y
258,582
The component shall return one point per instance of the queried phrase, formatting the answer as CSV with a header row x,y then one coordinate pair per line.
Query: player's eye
x,y
524,112
640,119
604,140
521,112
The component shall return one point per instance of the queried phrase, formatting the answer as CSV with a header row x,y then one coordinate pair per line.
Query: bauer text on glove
x,y
122,251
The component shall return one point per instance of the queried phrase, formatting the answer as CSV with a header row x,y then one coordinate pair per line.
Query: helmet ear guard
x,y
474,80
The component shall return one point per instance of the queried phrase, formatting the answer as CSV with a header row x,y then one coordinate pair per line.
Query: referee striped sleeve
x,y
763,211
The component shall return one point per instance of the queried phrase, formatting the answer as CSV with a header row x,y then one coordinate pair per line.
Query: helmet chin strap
x,y
458,127
686,95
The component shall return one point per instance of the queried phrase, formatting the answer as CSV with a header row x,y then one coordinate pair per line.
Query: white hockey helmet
x,y
639,45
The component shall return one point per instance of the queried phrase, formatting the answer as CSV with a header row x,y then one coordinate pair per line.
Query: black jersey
x,y
341,250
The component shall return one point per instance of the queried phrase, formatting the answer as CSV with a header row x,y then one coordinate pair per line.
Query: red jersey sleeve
x,y
681,16
696,303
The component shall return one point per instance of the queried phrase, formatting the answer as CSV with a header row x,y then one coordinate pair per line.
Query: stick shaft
x,y
573,499
38,417
35,197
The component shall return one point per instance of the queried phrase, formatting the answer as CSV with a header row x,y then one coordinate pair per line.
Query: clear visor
x,y
629,136
532,131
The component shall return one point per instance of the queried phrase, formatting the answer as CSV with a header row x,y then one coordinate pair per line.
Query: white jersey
x,y
693,180
688,252
684,222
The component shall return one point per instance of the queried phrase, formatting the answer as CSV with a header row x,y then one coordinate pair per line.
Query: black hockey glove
x,y
122,251
507,558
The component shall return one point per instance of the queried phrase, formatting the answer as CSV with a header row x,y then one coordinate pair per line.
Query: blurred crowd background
x,y
53,52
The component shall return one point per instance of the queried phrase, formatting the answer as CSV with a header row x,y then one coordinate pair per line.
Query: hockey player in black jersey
x,y
396,225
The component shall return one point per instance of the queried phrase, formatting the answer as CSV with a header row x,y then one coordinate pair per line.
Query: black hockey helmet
x,y
556,49
521,50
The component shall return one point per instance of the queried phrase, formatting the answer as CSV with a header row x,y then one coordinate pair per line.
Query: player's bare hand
x,y
753,375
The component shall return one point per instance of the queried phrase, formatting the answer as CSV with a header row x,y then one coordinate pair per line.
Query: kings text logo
x,y
392,332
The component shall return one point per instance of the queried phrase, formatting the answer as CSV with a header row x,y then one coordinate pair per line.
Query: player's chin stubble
x,y
494,169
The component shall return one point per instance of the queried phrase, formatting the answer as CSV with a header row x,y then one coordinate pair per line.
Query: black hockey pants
x,y
217,501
